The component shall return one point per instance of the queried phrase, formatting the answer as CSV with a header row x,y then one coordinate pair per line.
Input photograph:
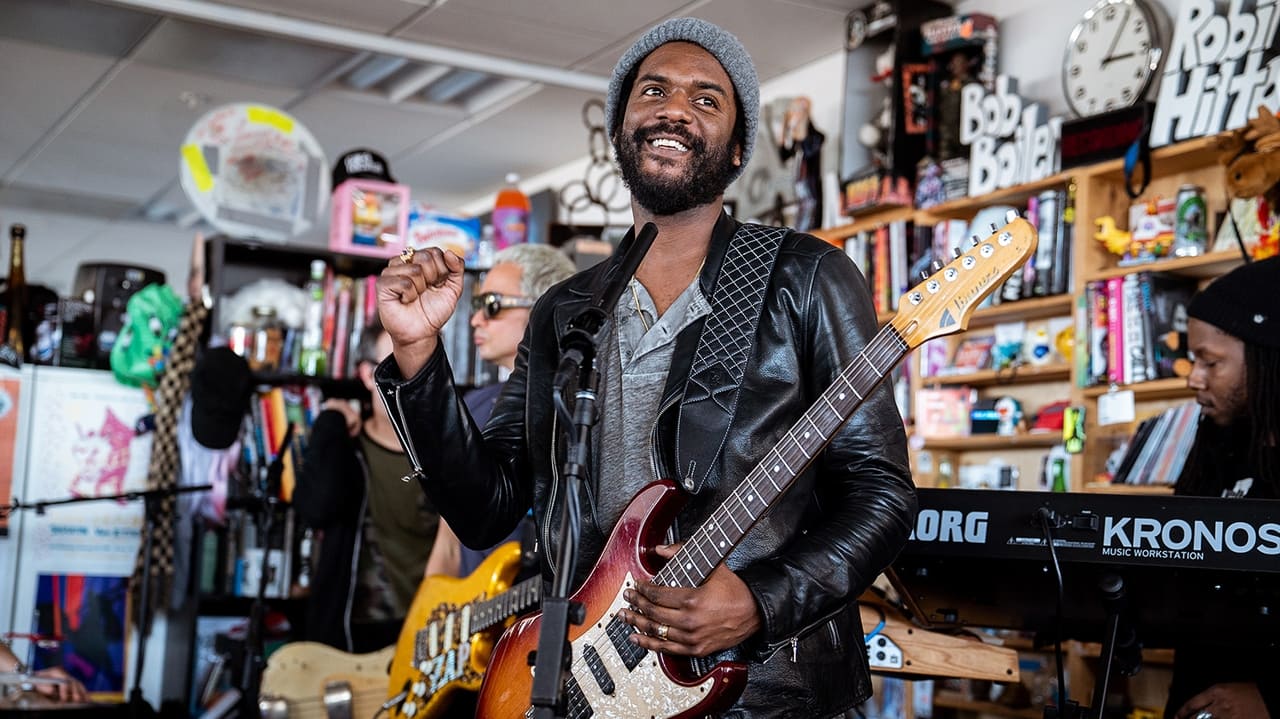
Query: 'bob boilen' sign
x,y
1214,78
1010,140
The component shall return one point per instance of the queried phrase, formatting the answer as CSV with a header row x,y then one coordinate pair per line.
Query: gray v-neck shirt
x,y
633,376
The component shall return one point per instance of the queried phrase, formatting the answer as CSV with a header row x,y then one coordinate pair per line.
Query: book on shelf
x,y
1136,328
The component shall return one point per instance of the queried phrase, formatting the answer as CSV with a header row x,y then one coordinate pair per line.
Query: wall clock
x,y
1111,57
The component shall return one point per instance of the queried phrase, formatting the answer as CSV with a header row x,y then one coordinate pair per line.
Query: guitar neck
x,y
516,600
726,526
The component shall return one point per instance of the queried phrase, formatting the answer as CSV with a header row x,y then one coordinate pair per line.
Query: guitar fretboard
x,y
521,597
726,526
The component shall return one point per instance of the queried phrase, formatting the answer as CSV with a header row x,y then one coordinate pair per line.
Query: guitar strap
x,y
724,348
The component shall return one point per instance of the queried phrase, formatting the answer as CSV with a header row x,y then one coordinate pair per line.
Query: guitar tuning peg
x,y
955,251
994,229
1011,215
923,275
976,240
937,266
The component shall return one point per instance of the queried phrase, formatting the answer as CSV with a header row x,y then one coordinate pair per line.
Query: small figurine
x,y
799,136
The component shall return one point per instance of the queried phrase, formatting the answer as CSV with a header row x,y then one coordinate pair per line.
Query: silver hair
x,y
541,266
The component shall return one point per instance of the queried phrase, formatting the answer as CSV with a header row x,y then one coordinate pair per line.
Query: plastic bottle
x,y
510,215
311,355
484,250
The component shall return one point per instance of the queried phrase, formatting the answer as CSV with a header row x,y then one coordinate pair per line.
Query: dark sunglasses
x,y
491,303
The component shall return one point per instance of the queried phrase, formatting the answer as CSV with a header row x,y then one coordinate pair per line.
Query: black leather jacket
x,y
808,558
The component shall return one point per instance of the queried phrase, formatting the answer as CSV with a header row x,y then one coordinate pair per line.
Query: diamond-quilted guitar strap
x,y
724,348
162,472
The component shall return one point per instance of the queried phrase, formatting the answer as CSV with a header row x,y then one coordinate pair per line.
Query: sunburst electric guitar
x,y
450,631
611,678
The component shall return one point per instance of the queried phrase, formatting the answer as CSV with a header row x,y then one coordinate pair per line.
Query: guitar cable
x,y
1045,516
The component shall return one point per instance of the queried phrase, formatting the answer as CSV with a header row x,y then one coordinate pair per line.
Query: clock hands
x,y
1119,31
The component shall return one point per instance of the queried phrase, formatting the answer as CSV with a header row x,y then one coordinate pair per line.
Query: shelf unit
x,y
955,700
1099,191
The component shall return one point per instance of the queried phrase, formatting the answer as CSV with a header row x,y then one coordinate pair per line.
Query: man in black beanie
x,y
725,337
1233,333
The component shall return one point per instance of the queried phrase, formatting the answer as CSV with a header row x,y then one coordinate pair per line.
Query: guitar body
x,y
431,671
304,673
656,685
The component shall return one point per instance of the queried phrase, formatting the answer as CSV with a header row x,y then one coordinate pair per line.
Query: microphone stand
x,y
151,498
577,362
263,504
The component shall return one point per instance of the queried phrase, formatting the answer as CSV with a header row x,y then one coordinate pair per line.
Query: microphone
x,y
579,340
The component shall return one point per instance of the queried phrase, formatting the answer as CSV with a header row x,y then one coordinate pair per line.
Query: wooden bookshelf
x,y
955,700
1167,388
1030,309
988,442
868,221
1200,266
1023,374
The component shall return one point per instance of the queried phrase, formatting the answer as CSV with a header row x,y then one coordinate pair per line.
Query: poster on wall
x,y
83,436
79,621
10,392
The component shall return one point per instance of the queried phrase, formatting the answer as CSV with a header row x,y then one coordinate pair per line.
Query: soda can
x,y
1190,229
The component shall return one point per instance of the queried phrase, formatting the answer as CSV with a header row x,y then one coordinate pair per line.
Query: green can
x,y
1191,225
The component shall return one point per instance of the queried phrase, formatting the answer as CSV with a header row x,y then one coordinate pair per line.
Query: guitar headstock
x,y
943,303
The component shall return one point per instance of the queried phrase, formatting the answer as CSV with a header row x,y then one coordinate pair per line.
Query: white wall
x,y
822,81
1033,36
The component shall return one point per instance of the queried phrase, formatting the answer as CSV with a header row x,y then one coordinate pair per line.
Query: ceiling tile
x,y
536,134
372,15
780,36
34,100
541,41
342,121
238,55
132,131
74,25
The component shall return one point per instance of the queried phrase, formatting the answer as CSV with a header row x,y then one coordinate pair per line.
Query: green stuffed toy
x,y
150,324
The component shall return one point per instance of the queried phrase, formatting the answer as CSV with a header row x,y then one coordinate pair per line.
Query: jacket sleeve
x,y
331,481
866,498
479,482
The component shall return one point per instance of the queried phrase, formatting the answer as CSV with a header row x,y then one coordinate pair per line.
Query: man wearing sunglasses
x,y
499,314
690,393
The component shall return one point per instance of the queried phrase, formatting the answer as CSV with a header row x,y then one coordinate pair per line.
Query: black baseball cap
x,y
363,163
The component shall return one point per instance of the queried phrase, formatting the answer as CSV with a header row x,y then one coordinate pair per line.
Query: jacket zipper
x,y
549,510
794,640
653,437
402,432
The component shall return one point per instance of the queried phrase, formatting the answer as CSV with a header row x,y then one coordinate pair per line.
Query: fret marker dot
x,y
689,565
722,545
842,395
775,468
751,498
806,435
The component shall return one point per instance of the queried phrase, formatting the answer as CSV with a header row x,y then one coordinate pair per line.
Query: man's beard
x,y
704,179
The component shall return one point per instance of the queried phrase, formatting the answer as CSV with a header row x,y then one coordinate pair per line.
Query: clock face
x,y
1111,57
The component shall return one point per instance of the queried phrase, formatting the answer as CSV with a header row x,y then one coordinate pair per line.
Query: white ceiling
x,y
95,96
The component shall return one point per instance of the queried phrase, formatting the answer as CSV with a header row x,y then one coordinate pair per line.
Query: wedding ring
x,y
662,632
406,255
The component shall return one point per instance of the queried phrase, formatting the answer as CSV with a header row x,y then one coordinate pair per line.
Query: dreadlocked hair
x,y
1263,381
1261,422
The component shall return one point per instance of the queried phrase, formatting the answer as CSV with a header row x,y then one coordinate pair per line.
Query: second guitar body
x,y
449,633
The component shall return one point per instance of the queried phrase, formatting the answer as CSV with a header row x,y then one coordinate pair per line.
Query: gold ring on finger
x,y
662,632
406,255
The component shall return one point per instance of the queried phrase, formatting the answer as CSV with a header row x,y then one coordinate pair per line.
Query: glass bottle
x,y
311,354
268,340
17,288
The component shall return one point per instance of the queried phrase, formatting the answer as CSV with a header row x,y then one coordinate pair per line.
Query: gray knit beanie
x,y
726,48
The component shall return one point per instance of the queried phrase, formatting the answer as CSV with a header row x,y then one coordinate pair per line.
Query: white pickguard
x,y
641,692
